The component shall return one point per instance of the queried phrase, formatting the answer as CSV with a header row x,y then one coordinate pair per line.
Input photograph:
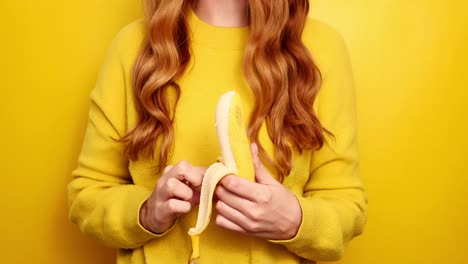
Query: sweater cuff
x,y
312,229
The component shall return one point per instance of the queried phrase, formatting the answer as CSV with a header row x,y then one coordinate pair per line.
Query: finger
x,y
184,171
255,158
176,189
241,187
225,223
178,207
239,203
234,220
196,188
233,215
262,175
197,183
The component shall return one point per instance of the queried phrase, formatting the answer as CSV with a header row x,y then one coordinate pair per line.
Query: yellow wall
x,y
410,59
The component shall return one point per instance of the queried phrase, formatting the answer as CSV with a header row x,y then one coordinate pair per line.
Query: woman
x,y
150,136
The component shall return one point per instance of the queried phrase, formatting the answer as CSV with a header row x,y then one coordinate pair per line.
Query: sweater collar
x,y
217,37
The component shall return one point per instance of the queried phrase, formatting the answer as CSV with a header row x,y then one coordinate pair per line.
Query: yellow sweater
x,y
107,190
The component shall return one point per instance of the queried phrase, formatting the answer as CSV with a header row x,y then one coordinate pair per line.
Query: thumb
x,y
261,173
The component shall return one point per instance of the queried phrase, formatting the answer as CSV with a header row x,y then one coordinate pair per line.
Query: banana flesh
x,y
236,159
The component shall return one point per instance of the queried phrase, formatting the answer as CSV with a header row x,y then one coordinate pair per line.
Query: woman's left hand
x,y
264,208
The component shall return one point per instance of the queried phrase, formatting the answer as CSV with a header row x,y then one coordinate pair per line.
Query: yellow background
x,y
410,60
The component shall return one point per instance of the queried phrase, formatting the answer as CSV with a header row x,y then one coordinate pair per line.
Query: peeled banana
x,y
236,159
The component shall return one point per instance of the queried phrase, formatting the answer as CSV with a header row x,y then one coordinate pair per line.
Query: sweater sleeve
x,y
334,202
102,198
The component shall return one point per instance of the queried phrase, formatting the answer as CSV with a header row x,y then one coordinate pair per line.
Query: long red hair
x,y
276,65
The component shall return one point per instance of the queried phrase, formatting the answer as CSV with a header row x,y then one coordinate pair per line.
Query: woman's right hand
x,y
176,192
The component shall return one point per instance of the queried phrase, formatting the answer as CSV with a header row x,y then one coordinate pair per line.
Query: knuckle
x,y
183,166
171,206
256,215
171,183
253,226
264,197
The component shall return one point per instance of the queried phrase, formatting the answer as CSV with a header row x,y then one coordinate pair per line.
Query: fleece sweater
x,y
107,190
